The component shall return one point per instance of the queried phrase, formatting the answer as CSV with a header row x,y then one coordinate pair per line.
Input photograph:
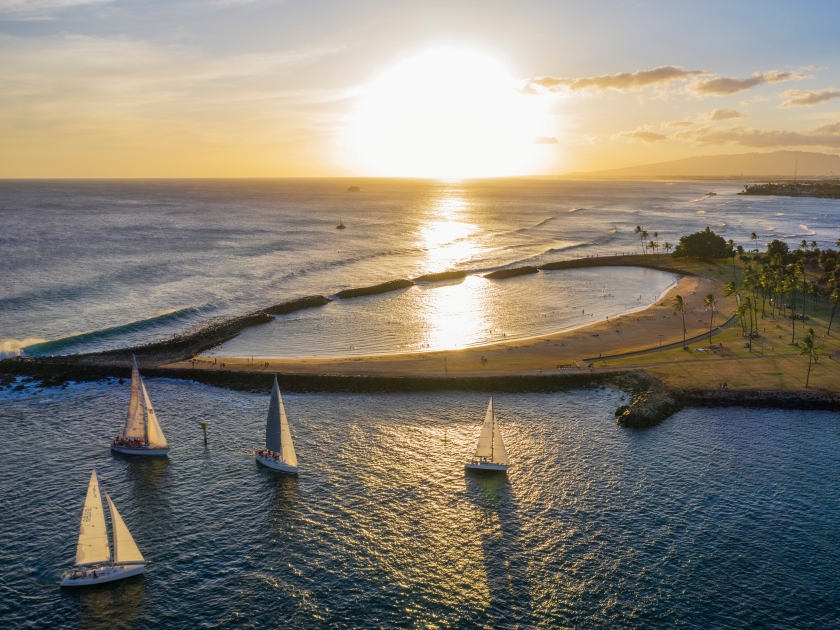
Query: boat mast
x,y
492,430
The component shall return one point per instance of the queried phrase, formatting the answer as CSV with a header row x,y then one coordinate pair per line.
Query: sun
x,y
446,113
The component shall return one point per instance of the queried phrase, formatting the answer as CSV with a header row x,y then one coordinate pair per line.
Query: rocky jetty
x,y
816,399
290,306
651,404
609,261
385,287
443,276
511,273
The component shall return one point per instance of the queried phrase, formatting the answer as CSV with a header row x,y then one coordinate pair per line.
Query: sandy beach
x,y
568,350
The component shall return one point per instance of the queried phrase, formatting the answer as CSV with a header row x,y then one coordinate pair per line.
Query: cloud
x,y
755,99
722,86
830,128
39,9
545,140
808,98
622,82
827,135
722,114
644,135
677,124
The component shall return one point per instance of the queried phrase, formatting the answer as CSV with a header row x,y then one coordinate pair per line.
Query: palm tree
x,y
679,307
834,300
731,245
747,308
642,235
754,238
652,246
709,302
808,346
667,247
803,244
656,240
813,244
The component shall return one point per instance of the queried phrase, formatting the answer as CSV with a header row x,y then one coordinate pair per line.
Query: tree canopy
x,y
705,244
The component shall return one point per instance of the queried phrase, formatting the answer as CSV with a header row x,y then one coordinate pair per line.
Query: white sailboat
x,y
279,451
93,551
142,434
490,452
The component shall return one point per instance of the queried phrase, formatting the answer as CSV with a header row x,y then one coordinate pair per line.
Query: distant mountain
x,y
777,164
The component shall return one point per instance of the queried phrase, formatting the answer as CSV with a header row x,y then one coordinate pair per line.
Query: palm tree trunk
x,y
711,322
830,320
808,378
683,314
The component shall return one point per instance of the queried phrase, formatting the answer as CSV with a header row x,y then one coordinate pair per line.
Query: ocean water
x,y
91,265
714,519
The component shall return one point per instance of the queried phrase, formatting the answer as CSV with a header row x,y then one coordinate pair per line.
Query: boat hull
x,y
276,465
487,466
103,575
139,451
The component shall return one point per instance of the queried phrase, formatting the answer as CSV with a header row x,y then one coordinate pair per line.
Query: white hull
x,y
276,465
486,466
143,450
103,575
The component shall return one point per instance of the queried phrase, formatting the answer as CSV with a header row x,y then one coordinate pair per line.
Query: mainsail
x,y
125,549
272,423
93,536
154,434
288,451
485,439
135,426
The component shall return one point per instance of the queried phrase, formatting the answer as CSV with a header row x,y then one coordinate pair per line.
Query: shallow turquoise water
x,y
717,518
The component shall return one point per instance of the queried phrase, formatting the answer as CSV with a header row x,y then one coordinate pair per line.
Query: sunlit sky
x,y
239,88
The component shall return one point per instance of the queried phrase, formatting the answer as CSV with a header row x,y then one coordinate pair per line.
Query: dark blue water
x,y
714,519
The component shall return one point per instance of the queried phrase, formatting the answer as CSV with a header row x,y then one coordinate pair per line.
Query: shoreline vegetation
x,y
822,189
640,353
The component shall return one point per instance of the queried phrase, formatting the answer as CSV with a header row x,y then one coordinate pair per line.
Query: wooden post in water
x,y
204,428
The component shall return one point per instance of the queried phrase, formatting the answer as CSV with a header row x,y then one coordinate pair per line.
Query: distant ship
x,y
354,189
340,225
711,194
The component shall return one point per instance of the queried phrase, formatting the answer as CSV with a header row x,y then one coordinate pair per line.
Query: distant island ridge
x,y
775,164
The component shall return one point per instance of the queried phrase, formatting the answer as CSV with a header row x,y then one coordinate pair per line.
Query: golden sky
x,y
239,88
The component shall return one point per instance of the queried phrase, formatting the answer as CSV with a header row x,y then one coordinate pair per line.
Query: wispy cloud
x,y
545,140
622,82
75,83
827,135
755,99
808,98
677,124
39,9
722,114
723,86
643,135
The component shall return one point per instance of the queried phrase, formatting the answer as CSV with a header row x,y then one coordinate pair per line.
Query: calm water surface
x,y
715,519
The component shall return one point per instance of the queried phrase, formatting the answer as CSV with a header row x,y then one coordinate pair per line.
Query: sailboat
x,y
279,451
340,225
93,551
142,434
490,453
